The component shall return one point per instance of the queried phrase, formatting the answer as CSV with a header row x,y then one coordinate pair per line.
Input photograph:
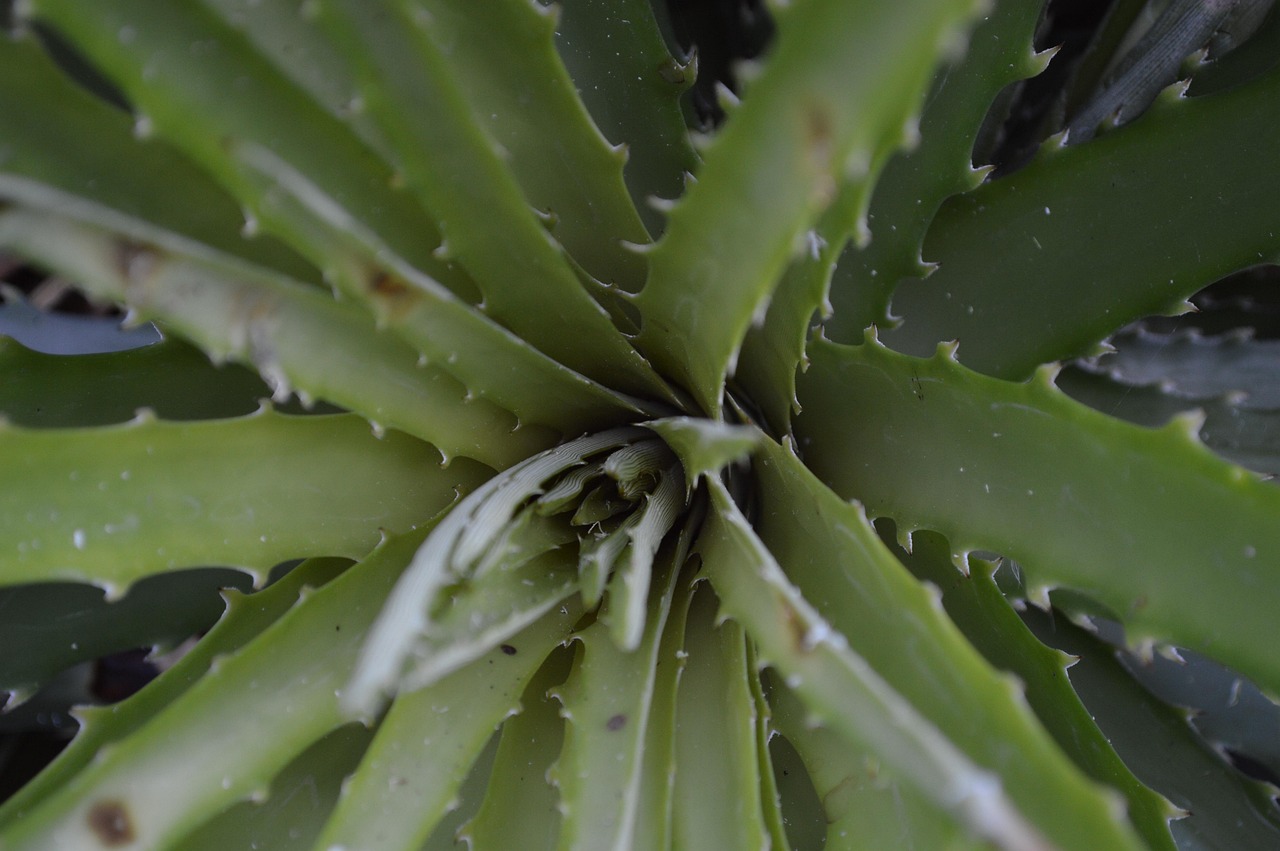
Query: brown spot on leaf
x,y
615,723
796,627
819,141
508,649
393,295
109,821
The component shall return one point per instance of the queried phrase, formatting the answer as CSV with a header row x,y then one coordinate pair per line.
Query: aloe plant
x,y
557,528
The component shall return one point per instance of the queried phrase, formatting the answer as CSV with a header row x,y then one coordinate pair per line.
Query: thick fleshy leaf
x,y
1197,367
1152,63
114,504
451,164
1042,264
842,691
717,788
290,38
280,691
1243,436
295,335
1227,809
246,616
504,59
837,561
62,141
877,241
814,120
58,625
1259,54
171,378
916,181
603,773
1081,500
453,555
297,803
305,176
520,807
705,447
430,738
989,621
864,810
632,85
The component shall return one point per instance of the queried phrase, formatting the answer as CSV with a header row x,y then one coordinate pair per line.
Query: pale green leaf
x,y
456,170
114,504
520,807
717,780
430,738
813,120
608,702
296,335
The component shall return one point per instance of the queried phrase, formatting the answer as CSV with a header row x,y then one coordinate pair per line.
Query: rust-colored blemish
x,y
616,723
393,295
109,821
819,131
796,627
819,141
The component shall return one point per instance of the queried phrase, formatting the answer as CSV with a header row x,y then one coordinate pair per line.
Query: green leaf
x,y
430,738
177,62
1256,56
520,807
603,776
1196,367
631,84
705,447
455,169
58,625
916,181
906,195
1227,810
246,616
864,810
171,378
812,121
1081,500
302,174
114,504
1042,264
66,147
718,799
280,692
504,60
986,618
299,800
842,691
1244,436
837,561
287,35
296,335
1151,64
451,556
